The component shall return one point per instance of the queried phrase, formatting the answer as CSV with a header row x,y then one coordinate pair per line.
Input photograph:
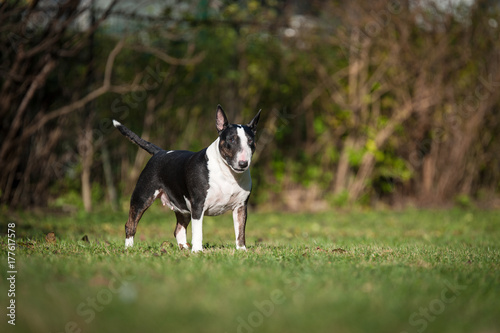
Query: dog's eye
x,y
232,140
250,141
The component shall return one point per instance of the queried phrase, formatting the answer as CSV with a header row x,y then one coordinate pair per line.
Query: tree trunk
x,y
108,175
86,151
362,177
342,174
141,155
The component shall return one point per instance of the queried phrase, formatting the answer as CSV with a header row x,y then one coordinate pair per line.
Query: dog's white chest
x,y
226,191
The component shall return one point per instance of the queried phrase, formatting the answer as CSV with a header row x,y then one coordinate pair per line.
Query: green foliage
x,y
249,66
340,200
355,156
70,200
464,201
323,97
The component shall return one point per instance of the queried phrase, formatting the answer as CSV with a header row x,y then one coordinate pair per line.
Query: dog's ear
x,y
221,122
253,123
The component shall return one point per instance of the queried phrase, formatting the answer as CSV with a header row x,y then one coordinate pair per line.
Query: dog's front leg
x,y
197,230
240,220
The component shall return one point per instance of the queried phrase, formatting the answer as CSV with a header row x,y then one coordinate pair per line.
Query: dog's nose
x,y
243,164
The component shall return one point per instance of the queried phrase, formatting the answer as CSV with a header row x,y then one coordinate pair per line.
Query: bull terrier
x,y
196,184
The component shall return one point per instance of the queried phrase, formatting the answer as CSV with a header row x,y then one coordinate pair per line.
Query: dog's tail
x,y
147,146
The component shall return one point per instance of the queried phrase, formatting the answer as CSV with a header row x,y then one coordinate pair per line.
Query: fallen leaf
x,y
85,239
51,238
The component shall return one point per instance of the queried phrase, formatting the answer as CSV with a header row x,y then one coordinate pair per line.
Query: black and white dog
x,y
209,182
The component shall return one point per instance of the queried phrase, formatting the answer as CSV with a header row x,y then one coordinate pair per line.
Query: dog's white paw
x,y
196,249
242,248
129,242
184,246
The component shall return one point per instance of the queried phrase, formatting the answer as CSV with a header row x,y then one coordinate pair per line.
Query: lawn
x,y
374,271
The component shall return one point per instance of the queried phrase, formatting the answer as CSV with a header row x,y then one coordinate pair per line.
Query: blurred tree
x,y
34,40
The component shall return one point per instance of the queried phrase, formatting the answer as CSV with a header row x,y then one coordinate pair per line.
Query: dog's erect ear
x,y
253,124
220,119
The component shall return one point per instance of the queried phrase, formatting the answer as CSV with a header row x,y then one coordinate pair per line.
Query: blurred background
x,y
371,103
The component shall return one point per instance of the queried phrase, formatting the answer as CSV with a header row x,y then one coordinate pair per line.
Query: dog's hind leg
x,y
180,232
138,205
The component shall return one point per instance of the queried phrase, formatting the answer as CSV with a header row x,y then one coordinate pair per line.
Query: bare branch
x,y
16,124
110,62
169,59
106,87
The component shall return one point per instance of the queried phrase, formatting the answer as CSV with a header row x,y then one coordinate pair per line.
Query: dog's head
x,y
236,142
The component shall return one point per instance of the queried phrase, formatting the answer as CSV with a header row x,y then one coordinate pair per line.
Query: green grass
x,y
409,271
